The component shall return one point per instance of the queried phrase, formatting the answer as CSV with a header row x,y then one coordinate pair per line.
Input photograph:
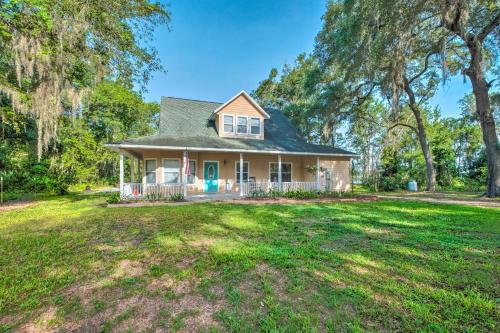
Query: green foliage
x,y
296,93
114,113
113,198
78,156
52,53
301,194
296,194
176,197
159,196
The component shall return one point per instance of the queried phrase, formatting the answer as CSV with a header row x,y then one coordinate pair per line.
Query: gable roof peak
x,y
249,98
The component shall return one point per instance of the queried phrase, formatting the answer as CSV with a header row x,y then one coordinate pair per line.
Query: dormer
x,y
240,117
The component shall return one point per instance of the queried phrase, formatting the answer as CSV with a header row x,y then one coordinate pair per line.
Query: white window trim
x,y
248,133
223,123
291,169
146,170
195,173
250,126
236,171
237,125
163,170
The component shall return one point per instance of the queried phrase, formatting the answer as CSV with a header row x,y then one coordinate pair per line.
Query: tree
x,y
372,43
113,113
296,92
476,25
53,52
77,156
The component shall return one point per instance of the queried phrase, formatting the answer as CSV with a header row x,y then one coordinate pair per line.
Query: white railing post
x,y
318,177
121,175
241,174
279,173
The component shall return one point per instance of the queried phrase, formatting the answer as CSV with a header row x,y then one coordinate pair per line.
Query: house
x,y
236,146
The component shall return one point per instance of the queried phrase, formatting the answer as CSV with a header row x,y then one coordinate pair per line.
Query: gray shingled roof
x,y
185,123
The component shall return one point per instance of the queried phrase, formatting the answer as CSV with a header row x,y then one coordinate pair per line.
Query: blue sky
x,y
215,49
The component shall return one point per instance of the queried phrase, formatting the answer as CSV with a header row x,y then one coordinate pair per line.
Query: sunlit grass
x,y
69,262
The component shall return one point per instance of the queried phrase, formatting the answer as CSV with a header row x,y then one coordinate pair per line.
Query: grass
x,y
69,263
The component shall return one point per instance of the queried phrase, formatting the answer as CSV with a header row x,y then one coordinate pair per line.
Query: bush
x,y
157,196
301,194
176,197
391,183
258,193
113,198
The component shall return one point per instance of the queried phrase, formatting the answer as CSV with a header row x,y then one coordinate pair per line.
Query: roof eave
x,y
118,148
252,101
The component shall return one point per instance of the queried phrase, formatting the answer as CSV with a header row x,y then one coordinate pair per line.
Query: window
x,y
255,126
242,125
191,179
228,124
286,172
150,171
245,172
171,171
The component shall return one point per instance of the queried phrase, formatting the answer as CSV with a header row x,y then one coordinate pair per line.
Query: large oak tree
x,y
52,52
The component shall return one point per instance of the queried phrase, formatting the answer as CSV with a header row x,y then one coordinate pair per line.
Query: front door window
x,y
211,172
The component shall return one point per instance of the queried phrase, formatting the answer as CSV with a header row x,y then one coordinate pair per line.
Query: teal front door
x,y
211,177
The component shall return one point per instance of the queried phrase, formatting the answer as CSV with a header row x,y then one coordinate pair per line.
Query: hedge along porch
x,y
162,171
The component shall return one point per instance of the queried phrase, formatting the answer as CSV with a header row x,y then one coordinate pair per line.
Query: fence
x,y
253,187
152,191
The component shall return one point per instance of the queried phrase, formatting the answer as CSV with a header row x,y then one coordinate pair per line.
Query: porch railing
x,y
255,187
132,190
159,191
152,191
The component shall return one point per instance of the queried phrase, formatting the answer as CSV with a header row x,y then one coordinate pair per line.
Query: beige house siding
x,y
258,167
240,106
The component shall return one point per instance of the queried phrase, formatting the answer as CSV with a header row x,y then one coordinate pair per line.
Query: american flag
x,y
187,171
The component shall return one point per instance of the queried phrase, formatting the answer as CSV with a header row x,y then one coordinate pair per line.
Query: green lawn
x,y
69,263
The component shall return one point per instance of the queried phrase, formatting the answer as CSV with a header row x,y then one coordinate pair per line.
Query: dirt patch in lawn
x,y
15,205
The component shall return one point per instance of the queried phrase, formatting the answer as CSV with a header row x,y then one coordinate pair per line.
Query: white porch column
x,y
241,174
121,174
132,170
139,174
280,180
318,177
184,176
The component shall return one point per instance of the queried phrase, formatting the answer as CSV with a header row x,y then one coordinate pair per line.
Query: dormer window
x,y
240,118
242,125
228,124
255,126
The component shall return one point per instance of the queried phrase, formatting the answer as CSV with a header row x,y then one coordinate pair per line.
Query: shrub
x,y
176,197
391,183
258,193
113,198
301,194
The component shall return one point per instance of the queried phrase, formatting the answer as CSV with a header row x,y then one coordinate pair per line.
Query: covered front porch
x,y
156,174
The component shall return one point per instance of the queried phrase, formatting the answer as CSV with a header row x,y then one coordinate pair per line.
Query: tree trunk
x,y
422,138
451,20
483,109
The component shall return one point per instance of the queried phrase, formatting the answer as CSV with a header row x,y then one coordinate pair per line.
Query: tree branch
x,y
401,124
488,84
426,66
489,28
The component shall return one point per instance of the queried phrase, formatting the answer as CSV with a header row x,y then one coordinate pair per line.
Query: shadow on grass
x,y
375,266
